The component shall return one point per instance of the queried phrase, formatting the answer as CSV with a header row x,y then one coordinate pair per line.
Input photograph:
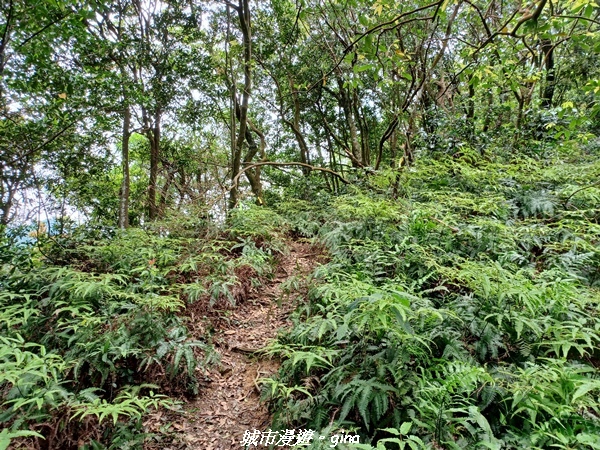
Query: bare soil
x,y
229,400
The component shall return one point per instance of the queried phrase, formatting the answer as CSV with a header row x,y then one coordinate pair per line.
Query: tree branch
x,y
236,179
533,16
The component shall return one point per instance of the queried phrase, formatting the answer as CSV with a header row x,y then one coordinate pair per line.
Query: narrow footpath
x,y
229,403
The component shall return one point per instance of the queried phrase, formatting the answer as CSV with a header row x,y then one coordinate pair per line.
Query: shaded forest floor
x,y
457,309
229,400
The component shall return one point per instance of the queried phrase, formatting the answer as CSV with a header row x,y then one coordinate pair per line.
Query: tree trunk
x,y
365,153
488,114
295,126
164,192
471,108
7,203
348,112
387,134
521,103
548,55
243,11
125,184
154,138
253,175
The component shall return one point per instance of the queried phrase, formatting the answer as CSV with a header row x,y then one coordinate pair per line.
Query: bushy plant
x,y
465,311
85,339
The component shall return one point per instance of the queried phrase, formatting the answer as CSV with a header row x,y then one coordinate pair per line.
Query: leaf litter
x,y
229,403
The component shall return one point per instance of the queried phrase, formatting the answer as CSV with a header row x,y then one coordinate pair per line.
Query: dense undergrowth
x,y
94,328
459,309
461,314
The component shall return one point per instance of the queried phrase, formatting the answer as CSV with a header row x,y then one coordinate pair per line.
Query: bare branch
x,y
236,179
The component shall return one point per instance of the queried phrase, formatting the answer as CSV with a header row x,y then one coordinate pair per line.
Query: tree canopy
x,y
443,154
164,103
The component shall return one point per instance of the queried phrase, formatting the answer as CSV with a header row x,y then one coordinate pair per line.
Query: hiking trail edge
x,y
229,403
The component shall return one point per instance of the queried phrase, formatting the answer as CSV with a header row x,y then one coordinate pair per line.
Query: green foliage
x,y
91,325
6,436
444,153
467,309
263,225
74,337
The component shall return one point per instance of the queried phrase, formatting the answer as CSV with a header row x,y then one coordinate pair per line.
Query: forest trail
x,y
229,403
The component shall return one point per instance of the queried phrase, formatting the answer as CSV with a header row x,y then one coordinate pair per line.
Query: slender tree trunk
x,y
233,113
295,126
365,155
348,112
125,184
164,192
393,147
243,11
337,139
471,108
253,175
548,55
332,162
154,138
387,134
488,114
521,103
7,204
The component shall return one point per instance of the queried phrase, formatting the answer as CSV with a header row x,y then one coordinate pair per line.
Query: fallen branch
x,y
236,179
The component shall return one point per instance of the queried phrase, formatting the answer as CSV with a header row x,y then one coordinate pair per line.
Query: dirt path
x,y
229,403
